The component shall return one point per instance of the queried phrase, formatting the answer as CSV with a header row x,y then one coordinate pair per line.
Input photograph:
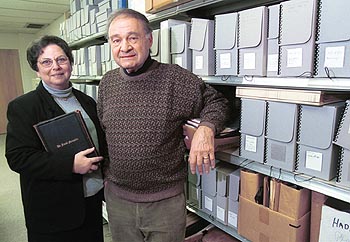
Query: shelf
x,y
95,39
185,11
329,188
336,84
233,232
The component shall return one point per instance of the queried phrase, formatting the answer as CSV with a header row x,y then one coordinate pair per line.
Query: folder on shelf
x,y
316,154
84,62
233,201
155,48
95,60
252,33
342,139
333,39
202,45
280,147
180,52
208,185
272,40
297,37
226,44
253,114
165,38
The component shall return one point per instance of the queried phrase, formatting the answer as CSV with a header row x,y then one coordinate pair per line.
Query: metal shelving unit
x,y
329,188
207,9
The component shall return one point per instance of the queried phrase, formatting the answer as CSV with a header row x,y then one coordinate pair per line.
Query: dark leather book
x,y
65,133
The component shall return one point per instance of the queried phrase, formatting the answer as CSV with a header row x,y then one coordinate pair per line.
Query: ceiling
x,y
15,15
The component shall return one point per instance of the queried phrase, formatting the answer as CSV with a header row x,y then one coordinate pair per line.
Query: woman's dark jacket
x,y
52,196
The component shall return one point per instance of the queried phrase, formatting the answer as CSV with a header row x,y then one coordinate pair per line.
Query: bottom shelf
x,y
231,231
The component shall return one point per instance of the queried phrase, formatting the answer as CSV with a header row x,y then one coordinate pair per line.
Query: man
x,y
142,107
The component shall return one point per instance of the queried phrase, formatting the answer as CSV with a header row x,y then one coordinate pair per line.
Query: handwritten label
x,y
250,143
208,203
249,61
232,219
272,62
199,62
313,160
334,57
295,57
225,60
335,225
220,213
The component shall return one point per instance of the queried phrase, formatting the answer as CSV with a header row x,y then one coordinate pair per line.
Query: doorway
x,y
10,82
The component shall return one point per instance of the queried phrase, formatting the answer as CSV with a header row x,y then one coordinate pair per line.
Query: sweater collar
x,y
143,69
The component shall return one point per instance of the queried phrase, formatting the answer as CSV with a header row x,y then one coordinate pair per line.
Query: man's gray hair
x,y
130,13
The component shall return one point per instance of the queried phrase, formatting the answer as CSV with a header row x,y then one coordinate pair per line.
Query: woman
x,y
62,196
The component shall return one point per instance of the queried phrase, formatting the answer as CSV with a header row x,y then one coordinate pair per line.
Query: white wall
x,y
52,29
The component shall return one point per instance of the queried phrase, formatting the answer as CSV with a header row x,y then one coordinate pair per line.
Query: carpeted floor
x,y
12,227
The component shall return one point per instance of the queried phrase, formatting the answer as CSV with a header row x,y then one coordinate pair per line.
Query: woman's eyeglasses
x,y
61,60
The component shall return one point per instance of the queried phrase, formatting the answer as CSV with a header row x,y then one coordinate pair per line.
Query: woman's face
x,y
54,67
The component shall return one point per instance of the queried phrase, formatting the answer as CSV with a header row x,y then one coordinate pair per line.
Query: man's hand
x,y
202,150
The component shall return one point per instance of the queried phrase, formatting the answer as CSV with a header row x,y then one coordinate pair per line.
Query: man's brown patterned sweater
x,y
142,116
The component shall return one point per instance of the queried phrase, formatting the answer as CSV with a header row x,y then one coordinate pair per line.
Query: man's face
x,y
129,42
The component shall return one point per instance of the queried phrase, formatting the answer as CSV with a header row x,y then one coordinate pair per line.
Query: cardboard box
x,y
294,202
259,223
153,6
251,182
317,200
335,221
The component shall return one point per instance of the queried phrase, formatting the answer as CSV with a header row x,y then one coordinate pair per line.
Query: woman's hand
x,y
83,164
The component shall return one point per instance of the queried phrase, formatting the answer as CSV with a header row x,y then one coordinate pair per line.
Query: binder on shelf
x,y
280,147
332,58
252,143
226,44
272,40
316,154
65,134
179,50
202,45
155,48
297,37
342,139
252,39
